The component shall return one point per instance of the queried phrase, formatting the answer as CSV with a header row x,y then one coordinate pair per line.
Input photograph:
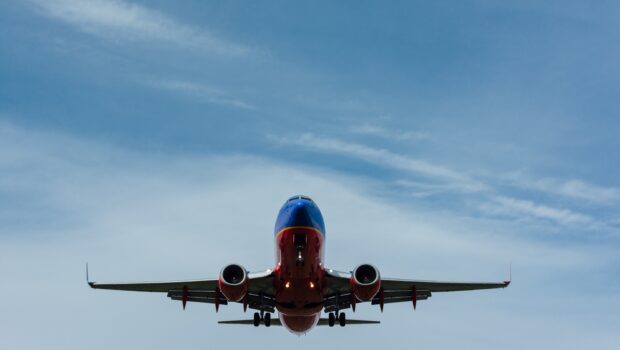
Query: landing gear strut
x,y
262,316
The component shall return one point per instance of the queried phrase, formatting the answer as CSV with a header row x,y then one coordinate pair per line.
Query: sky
x,y
441,140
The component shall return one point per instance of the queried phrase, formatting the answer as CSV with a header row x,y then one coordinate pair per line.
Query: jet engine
x,y
365,282
233,282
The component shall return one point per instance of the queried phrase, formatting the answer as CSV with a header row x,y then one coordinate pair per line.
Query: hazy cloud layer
x,y
137,216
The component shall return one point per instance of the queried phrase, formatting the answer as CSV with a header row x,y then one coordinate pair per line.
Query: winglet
x,y
91,284
507,283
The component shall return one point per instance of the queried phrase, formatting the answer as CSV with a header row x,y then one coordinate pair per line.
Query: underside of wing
x,y
340,296
259,295
161,287
439,286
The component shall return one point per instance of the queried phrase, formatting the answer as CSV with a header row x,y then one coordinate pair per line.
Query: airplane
x,y
299,287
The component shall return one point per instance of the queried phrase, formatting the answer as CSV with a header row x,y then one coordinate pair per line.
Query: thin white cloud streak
x,y
138,216
383,157
573,189
517,207
423,190
374,130
198,91
123,21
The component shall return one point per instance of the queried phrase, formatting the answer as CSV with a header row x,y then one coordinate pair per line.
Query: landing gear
x,y
337,316
262,316
300,258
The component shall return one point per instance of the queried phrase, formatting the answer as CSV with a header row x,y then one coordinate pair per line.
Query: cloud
x,y
199,91
573,188
517,207
383,157
497,201
423,190
123,21
142,216
374,130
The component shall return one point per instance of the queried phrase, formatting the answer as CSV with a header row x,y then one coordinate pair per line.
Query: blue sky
x,y
442,140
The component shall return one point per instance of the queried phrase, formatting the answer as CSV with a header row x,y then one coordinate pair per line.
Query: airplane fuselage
x,y
299,270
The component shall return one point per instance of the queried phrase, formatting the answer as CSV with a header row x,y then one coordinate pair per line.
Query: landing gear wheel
x,y
267,320
331,319
342,319
256,319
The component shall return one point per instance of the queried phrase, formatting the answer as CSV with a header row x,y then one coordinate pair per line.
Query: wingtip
x,y
507,282
90,284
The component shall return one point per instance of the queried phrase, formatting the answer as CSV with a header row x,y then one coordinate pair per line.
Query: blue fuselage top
x,y
300,211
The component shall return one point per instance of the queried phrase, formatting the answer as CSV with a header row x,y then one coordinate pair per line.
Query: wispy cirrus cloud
x,y
384,157
517,208
123,21
198,91
379,131
418,189
573,188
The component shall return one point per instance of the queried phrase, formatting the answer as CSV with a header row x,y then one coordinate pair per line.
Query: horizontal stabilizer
x,y
325,322
276,322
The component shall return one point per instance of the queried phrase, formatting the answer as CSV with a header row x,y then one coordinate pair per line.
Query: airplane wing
x,y
260,290
339,295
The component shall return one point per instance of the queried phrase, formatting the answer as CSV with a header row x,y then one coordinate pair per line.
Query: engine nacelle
x,y
233,282
365,282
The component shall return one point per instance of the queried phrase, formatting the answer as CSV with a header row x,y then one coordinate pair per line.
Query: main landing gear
x,y
262,316
339,316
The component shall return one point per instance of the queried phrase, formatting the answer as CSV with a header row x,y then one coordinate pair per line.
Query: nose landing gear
x,y
300,258
300,240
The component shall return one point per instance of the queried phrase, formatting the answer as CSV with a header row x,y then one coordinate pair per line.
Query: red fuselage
x,y
299,271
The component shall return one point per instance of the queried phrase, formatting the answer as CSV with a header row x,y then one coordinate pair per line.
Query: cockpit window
x,y
300,197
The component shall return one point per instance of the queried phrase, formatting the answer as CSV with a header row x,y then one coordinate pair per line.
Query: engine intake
x,y
365,282
233,282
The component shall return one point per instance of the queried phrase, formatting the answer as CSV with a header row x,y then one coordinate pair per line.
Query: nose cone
x,y
300,212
